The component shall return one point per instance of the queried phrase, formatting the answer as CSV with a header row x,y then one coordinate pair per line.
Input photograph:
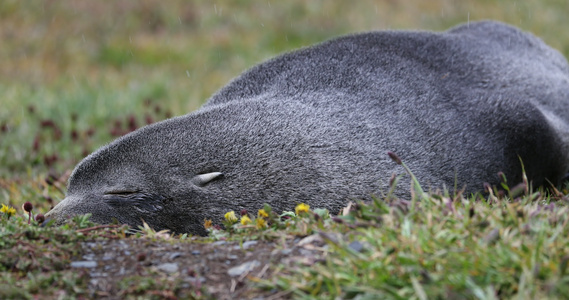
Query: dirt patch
x,y
172,270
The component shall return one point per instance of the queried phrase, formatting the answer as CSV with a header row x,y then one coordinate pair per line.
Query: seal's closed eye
x,y
121,192
140,201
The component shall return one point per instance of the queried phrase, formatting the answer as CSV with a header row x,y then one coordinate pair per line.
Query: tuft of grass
x,y
467,248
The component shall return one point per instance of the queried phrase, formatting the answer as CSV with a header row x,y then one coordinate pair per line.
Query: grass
x,y
35,259
443,249
75,75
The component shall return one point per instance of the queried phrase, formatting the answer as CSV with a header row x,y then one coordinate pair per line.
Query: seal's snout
x,y
76,205
64,210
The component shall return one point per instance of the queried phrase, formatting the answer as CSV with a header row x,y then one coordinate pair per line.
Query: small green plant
x,y
146,231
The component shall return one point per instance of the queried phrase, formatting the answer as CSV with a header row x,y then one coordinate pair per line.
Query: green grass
x,y
35,260
443,249
72,71
439,248
511,244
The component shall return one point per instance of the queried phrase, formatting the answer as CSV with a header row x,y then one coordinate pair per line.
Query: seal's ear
x,y
203,179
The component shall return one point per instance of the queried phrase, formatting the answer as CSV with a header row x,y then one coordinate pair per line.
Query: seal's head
x,y
138,178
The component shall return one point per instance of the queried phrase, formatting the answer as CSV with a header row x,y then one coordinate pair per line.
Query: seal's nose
x,y
63,210
74,205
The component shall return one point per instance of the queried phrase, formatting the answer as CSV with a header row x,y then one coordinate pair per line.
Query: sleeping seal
x,y
315,126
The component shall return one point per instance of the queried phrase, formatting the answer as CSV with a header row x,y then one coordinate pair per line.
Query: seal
x,y
315,126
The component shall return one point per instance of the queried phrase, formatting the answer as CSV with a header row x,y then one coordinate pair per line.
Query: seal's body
x,y
315,125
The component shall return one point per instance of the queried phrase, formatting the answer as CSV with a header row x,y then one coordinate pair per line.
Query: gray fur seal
x,y
315,126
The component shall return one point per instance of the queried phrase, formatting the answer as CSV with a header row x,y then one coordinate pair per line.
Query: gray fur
x,y
315,125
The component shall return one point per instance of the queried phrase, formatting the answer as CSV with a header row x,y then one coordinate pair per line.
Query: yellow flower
x,y
260,223
230,216
207,223
301,208
262,214
245,220
10,211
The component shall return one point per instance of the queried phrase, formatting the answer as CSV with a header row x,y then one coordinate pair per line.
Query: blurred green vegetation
x,y
74,75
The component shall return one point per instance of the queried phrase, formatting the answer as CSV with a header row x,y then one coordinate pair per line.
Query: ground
x,y
225,270
183,268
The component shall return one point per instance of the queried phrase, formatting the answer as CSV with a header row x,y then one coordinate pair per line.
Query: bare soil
x,y
116,268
